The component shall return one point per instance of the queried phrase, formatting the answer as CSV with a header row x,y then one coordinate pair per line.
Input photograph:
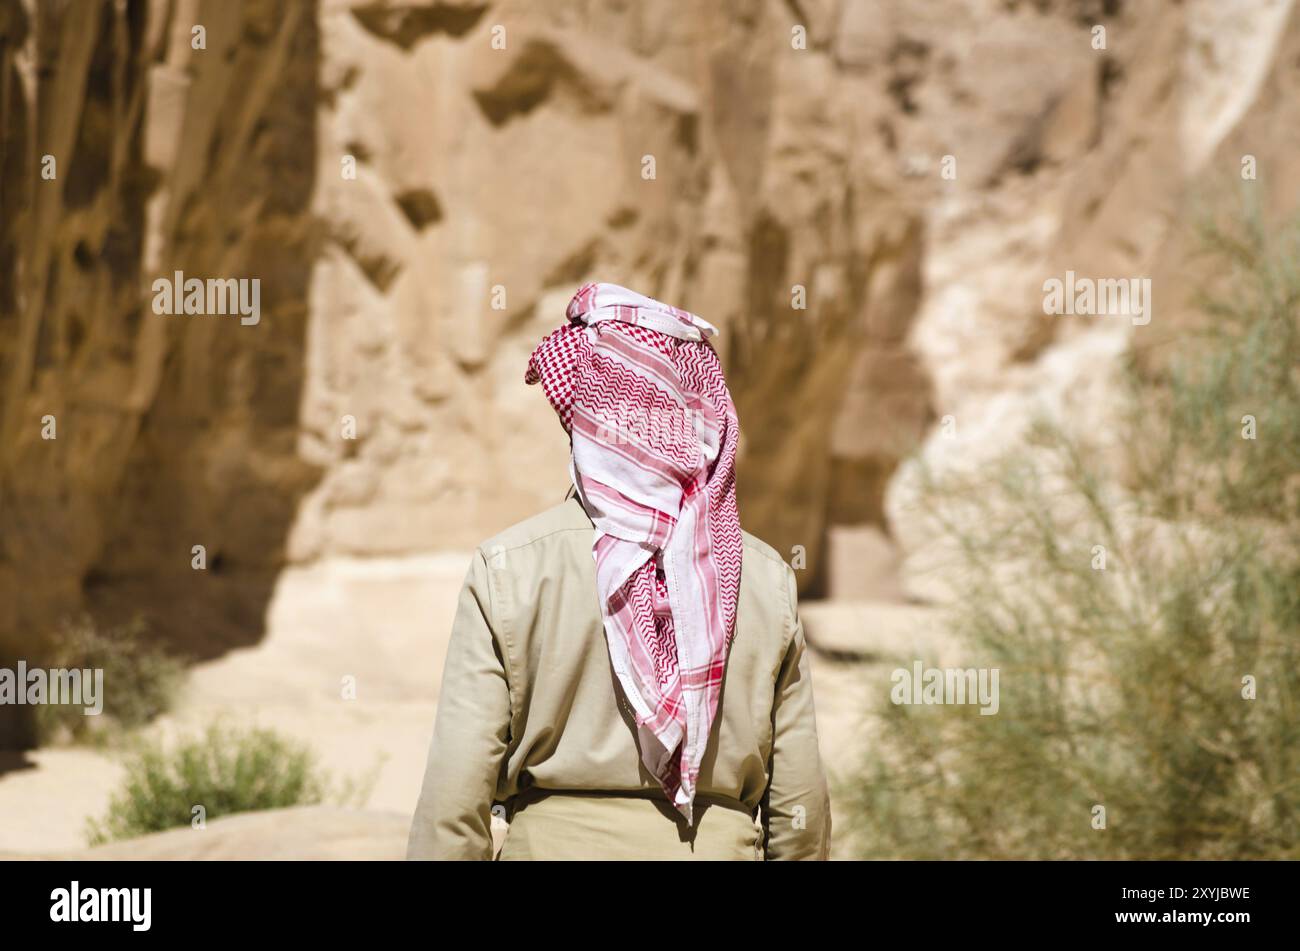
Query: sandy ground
x,y
384,624
303,833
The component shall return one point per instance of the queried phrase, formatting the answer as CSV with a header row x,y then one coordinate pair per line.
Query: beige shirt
x,y
531,717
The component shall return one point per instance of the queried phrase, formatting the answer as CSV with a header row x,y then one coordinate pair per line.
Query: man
x,y
627,674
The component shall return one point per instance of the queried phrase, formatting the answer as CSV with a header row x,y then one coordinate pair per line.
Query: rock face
x,y
505,153
865,196
129,155
1118,153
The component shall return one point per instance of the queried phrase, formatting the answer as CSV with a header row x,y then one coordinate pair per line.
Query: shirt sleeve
x,y
453,819
796,808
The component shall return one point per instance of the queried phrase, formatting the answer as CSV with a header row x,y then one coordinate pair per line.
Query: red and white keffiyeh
x,y
641,393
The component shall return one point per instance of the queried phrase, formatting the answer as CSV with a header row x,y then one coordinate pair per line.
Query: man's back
x,y
531,715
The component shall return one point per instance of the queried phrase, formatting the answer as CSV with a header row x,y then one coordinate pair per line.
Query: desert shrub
x,y
140,680
1164,688
224,770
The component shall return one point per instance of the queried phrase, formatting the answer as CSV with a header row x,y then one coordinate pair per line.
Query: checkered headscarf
x,y
641,393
